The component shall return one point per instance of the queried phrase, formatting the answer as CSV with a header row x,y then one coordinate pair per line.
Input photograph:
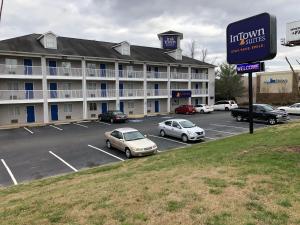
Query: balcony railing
x,y
20,70
64,71
157,92
199,76
199,91
62,94
181,76
105,73
20,95
131,92
157,75
131,74
101,93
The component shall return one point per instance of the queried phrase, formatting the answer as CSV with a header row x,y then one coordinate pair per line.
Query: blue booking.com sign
x,y
170,42
252,39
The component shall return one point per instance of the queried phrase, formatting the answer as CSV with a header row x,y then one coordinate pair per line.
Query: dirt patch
x,y
292,149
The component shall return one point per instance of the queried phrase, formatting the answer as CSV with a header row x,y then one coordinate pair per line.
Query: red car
x,y
185,109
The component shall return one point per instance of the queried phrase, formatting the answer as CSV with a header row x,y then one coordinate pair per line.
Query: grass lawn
x,y
246,179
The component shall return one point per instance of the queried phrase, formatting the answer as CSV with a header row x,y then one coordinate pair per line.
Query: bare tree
x,y
192,48
204,53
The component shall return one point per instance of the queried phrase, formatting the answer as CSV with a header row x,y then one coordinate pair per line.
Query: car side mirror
x,y
145,135
178,127
122,140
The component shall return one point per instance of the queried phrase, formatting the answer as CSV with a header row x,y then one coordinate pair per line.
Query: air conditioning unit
x,y
11,72
93,115
67,95
91,74
148,94
14,121
131,112
149,111
68,117
66,74
13,97
130,94
92,95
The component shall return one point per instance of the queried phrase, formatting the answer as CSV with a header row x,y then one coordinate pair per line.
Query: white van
x,y
225,105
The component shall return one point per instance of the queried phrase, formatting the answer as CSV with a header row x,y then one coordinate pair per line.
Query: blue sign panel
x,y
181,94
252,39
170,42
250,67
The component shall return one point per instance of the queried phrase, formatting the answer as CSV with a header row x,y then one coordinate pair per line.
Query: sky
x,y
139,22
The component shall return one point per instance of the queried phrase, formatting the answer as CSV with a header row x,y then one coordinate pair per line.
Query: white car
x,y
225,105
203,108
180,128
292,109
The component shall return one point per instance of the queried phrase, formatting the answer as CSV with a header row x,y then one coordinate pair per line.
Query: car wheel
x,y
108,144
239,118
202,111
272,121
111,120
162,133
184,138
128,153
226,109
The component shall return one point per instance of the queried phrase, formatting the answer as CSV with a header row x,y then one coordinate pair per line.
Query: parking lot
x,y
35,152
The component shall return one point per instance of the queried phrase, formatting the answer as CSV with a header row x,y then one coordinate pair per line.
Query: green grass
x,y
245,179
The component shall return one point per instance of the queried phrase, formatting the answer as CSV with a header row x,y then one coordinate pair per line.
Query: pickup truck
x,y
261,112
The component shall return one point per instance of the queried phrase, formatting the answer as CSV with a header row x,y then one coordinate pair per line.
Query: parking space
x,y
37,152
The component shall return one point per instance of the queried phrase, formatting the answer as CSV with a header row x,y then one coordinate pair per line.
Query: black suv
x,y
113,116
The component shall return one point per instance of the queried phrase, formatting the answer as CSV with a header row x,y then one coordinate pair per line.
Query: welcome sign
x,y
250,67
252,39
170,42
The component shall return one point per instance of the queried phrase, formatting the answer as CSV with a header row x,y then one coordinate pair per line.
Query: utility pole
x,y
1,7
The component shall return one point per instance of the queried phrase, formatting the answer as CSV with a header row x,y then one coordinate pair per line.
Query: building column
x,y
169,89
117,85
145,88
190,83
211,86
84,91
203,88
45,90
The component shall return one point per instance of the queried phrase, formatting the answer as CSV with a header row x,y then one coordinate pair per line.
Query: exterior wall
x,y
161,85
138,107
76,113
162,105
201,100
6,113
245,97
74,63
177,102
179,85
75,85
4,84
20,59
211,86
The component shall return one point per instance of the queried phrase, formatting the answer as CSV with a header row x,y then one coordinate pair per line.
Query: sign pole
x,y
250,102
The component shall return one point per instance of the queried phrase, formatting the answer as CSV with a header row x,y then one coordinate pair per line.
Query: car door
x,y
114,136
176,129
217,106
168,127
297,109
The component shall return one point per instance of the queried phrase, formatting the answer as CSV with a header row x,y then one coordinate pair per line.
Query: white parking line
x,y
225,132
28,130
220,125
103,123
91,146
55,127
9,172
78,124
168,139
73,168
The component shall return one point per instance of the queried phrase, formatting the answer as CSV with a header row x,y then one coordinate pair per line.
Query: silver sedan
x,y
180,128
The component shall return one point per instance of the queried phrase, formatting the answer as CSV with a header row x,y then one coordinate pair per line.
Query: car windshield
x,y
268,108
186,124
133,135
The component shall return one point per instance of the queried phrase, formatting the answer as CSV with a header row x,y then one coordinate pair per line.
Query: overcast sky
x,y
139,21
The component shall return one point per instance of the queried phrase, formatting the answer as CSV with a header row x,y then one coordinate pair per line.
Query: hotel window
x,y
66,66
50,42
93,106
130,105
67,86
149,104
91,68
11,65
68,108
14,111
92,86
13,85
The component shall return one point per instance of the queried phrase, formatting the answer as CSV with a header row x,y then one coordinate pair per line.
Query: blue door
x,y
121,87
104,107
122,107
102,70
30,114
52,67
120,70
54,112
103,89
29,90
197,86
196,101
53,90
156,72
28,66
156,87
156,103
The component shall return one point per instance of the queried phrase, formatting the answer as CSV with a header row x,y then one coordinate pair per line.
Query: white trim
x,y
91,146
9,172
69,165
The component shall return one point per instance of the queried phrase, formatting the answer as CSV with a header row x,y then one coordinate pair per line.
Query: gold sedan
x,y
131,141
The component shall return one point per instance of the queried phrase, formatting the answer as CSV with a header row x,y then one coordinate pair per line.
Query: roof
x,y
126,129
171,32
67,46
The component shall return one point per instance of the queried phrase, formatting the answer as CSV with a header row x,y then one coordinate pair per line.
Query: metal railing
x,y
105,73
157,75
20,95
131,74
64,71
199,76
20,70
182,76
64,94
157,92
101,93
131,92
199,91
